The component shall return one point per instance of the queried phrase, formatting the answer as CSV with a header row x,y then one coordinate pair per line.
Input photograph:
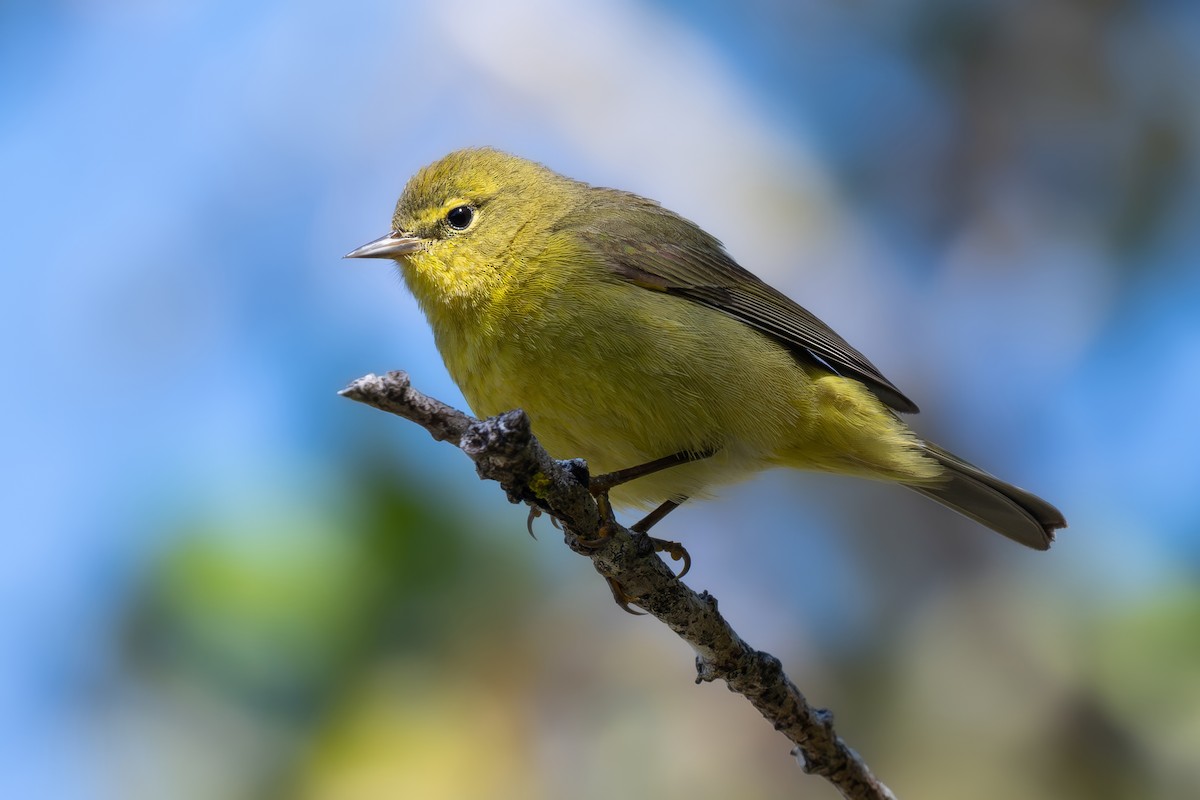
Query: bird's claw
x,y
622,599
675,550
534,513
604,529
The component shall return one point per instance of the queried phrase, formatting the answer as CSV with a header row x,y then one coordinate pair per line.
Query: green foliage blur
x,y
395,647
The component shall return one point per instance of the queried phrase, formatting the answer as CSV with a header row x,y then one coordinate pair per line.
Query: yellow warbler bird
x,y
629,335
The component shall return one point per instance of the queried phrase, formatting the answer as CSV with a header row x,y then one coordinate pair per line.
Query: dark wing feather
x,y
658,250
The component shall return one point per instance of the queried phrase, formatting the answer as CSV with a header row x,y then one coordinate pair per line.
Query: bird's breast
x,y
620,375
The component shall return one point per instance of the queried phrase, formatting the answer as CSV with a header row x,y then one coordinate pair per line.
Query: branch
x,y
504,450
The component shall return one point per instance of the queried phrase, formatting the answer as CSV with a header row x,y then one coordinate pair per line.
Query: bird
x,y
632,339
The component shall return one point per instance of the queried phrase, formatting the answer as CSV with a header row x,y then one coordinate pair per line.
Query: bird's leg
x,y
610,480
674,549
600,487
650,520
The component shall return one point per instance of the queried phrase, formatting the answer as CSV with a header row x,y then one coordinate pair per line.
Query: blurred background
x,y
221,580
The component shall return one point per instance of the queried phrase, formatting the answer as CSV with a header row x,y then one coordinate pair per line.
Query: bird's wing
x,y
661,251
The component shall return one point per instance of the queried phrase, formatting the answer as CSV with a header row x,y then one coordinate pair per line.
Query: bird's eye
x,y
460,217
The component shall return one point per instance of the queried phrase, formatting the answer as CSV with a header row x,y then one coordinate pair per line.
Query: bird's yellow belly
x,y
745,408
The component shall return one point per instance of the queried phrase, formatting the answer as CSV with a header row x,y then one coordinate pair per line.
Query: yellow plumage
x,y
628,334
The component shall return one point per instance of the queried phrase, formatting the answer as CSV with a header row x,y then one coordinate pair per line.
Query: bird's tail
x,y
1004,508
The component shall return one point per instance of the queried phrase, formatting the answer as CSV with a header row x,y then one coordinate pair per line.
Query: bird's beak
x,y
392,245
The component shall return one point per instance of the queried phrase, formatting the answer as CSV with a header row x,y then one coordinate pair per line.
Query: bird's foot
x,y
675,550
534,513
